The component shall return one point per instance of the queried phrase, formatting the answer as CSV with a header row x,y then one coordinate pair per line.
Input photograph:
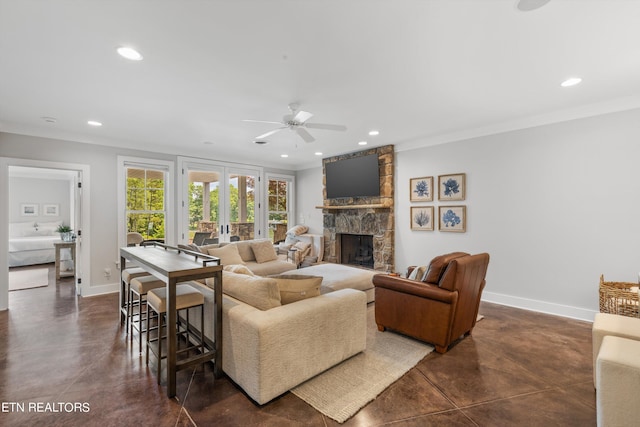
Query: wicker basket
x,y
619,298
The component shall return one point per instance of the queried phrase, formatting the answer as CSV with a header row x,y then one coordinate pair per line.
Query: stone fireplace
x,y
369,219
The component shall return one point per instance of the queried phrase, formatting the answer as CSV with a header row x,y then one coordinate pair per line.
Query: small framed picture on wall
x,y
422,218
452,218
50,210
29,209
421,189
451,187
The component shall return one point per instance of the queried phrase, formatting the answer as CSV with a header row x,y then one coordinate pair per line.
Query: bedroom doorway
x,y
40,197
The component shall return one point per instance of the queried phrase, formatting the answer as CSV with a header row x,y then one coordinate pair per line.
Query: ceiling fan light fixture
x,y
571,82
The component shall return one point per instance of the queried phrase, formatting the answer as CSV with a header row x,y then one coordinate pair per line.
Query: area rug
x,y
27,279
343,390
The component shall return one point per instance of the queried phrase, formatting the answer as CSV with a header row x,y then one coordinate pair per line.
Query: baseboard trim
x,y
90,291
540,306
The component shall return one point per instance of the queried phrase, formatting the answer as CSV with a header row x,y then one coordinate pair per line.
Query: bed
x,y
32,243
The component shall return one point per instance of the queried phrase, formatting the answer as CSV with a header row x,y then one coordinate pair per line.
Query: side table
x,y
72,247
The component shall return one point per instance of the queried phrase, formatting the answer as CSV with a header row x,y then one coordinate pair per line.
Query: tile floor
x,y
519,368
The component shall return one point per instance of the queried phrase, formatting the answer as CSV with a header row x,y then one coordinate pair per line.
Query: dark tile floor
x,y
519,368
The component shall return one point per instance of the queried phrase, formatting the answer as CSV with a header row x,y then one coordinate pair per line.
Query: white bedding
x,y
32,243
32,250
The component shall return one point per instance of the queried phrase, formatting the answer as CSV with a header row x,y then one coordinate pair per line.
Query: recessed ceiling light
x,y
318,153
260,142
362,143
49,119
94,123
284,155
571,82
208,143
374,132
130,53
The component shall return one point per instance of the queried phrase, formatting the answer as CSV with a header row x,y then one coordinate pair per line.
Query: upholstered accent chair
x,y
439,307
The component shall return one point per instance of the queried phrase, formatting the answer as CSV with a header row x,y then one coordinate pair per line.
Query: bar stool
x,y
139,287
186,297
127,275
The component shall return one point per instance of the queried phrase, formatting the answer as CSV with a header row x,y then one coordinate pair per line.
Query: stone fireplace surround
x,y
363,215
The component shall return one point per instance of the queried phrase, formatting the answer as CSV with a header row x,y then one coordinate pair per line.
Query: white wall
x,y
41,192
554,206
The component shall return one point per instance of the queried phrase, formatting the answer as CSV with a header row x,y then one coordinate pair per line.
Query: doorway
x,y
38,197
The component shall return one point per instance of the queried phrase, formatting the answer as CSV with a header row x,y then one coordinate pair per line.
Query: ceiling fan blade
x,y
302,116
271,132
325,126
261,121
305,135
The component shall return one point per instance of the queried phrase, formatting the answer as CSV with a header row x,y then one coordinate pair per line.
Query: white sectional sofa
x,y
271,350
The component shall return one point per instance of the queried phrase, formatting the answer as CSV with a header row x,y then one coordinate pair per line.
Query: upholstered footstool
x,y
618,382
612,324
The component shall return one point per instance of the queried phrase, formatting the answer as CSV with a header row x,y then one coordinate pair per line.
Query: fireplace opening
x,y
356,249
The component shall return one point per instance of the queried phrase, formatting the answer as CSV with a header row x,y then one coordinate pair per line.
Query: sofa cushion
x,y
239,269
259,292
296,287
244,249
264,251
228,254
438,265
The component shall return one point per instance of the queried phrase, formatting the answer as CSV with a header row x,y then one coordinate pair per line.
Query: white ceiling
x,y
422,72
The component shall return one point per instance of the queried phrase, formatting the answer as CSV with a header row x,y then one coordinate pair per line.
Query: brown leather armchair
x,y
440,308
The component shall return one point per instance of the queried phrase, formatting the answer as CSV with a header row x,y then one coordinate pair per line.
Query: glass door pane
x,y
278,191
242,206
205,206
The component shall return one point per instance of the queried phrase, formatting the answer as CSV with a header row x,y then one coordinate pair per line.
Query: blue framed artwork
x,y
451,187
421,189
452,218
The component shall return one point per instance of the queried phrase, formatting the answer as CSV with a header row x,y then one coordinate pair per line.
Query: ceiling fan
x,y
297,121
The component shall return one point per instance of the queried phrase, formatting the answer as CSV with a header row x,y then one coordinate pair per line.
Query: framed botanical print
x,y
422,218
421,189
452,218
451,187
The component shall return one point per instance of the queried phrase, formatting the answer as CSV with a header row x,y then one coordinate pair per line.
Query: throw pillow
x,y
297,230
228,254
296,287
238,269
264,251
418,273
308,261
259,292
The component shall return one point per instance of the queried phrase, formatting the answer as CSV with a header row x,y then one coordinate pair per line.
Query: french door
x,y
220,202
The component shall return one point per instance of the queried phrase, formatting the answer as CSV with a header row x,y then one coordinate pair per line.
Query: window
x,y
280,204
145,203
144,199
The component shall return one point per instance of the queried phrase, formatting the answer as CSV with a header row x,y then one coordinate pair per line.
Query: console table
x,y
175,265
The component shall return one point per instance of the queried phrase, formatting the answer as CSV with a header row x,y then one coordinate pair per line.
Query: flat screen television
x,y
353,177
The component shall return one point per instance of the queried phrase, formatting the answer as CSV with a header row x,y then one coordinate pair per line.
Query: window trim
x,y
168,167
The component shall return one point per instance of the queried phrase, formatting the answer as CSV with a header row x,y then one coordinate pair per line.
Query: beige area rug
x,y
27,279
343,390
